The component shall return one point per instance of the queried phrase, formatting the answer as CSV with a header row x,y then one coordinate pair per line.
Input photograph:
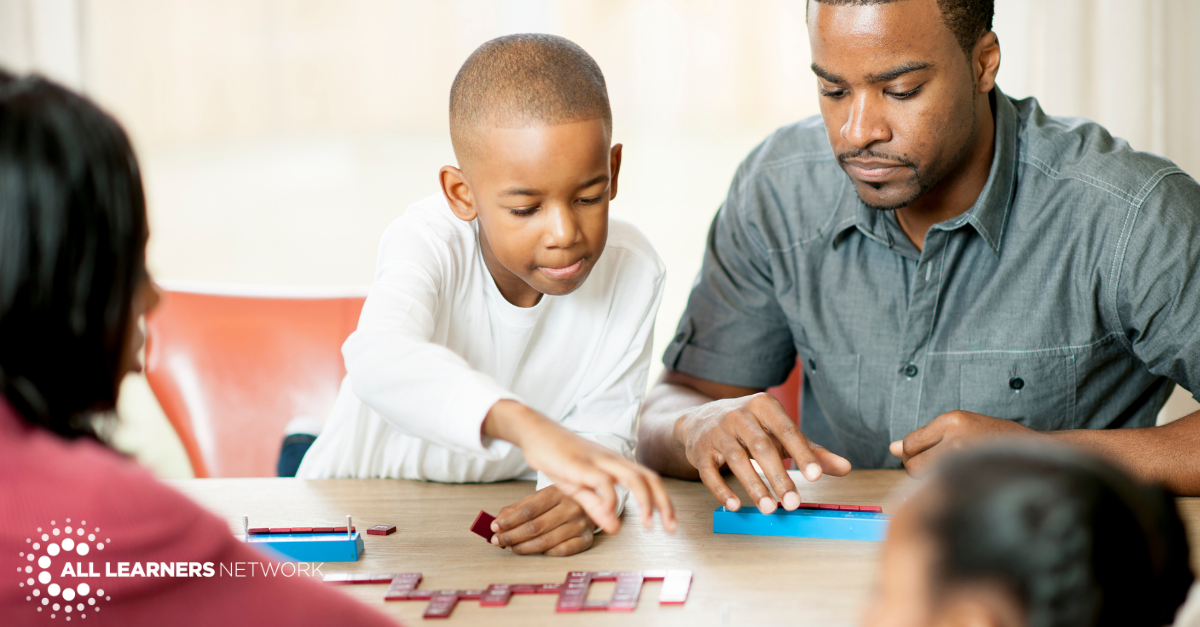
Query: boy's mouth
x,y
566,272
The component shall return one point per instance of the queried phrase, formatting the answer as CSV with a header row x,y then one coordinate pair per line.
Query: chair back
x,y
231,366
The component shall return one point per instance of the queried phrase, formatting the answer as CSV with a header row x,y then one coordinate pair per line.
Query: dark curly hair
x,y
72,254
1077,542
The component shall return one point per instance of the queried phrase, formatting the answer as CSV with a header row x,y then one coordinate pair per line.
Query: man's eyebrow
x,y
907,68
826,75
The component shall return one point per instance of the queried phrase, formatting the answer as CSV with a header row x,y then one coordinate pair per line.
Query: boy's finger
x,y
626,474
552,537
572,546
662,500
534,527
599,502
526,509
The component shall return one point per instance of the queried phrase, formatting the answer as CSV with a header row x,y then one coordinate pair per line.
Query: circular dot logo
x,y
42,564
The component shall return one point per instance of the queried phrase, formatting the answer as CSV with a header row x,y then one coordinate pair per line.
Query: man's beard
x,y
922,184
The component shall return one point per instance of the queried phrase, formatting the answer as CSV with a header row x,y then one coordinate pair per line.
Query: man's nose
x,y
864,123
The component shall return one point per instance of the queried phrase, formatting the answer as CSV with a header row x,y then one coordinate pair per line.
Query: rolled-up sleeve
x,y
733,330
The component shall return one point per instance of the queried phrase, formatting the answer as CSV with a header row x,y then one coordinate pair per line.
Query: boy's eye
x,y
591,201
523,212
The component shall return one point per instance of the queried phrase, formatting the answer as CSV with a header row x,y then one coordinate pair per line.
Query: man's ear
x,y
458,193
614,165
987,61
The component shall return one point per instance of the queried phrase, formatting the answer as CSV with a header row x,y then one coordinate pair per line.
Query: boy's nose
x,y
563,228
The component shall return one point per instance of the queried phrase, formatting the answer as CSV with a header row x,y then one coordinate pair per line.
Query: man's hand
x,y
547,522
949,432
730,432
581,469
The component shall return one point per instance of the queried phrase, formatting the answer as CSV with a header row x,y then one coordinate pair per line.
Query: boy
x,y
505,311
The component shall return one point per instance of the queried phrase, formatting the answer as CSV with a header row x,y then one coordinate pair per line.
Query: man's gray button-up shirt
x,y
1067,297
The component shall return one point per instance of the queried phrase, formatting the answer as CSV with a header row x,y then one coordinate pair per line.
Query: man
x,y
958,266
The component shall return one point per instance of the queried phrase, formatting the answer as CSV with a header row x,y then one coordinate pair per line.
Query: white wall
x,y
278,138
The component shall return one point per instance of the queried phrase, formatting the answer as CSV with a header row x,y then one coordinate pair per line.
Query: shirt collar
x,y
988,215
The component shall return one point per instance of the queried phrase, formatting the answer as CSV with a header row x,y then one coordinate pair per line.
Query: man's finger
x,y
738,461
922,439
776,421
710,474
831,463
767,456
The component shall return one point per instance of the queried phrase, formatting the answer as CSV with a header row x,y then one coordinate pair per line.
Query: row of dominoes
x,y
842,508
572,594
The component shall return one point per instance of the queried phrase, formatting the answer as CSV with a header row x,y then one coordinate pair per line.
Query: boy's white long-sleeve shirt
x,y
437,345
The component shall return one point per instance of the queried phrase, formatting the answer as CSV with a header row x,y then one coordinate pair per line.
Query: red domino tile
x,y
870,508
323,530
496,595
548,588
259,531
302,529
809,506
524,588
598,605
420,595
605,575
343,529
382,530
483,525
280,530
653,575
402,587
470,595
377,578
848,508
339,578
826,506
440,606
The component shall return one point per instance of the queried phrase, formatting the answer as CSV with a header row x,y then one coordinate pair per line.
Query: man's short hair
x,y
967,19
525,80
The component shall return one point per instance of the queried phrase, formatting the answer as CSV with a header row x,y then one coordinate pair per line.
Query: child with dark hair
x,y
73,284
1033,536
510,324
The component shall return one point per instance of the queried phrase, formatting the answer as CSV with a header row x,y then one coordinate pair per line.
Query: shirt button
x,y
1016,383
812,365
910,370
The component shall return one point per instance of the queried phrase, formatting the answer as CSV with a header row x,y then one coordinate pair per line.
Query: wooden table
x,y
738,580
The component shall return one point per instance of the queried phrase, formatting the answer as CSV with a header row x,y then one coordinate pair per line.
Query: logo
x,y
50,552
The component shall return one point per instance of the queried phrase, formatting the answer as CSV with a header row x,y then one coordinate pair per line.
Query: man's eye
x,y
523,212
904,94
832,93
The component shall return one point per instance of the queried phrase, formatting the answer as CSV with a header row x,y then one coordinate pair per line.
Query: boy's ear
x,y
615,167
458,193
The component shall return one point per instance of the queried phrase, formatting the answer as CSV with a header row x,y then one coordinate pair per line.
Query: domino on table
x,y
833,522
382,530
483,525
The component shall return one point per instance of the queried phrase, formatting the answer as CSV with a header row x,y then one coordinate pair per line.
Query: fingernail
x,y
791,501
766,505
732,504
495,527
812,472
496,540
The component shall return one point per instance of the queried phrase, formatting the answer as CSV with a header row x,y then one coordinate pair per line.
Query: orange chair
x,y
232,366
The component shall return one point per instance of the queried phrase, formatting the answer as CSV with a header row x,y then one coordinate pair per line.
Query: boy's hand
x,y
581,469
547,522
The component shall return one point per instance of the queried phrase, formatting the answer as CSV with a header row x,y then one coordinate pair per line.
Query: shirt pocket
x,y
834,379
1036,392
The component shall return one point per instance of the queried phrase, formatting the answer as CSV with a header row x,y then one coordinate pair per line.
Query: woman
x,y
73,285
1033,536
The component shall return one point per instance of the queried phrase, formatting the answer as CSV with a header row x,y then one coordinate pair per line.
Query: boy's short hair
x,y
524,80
